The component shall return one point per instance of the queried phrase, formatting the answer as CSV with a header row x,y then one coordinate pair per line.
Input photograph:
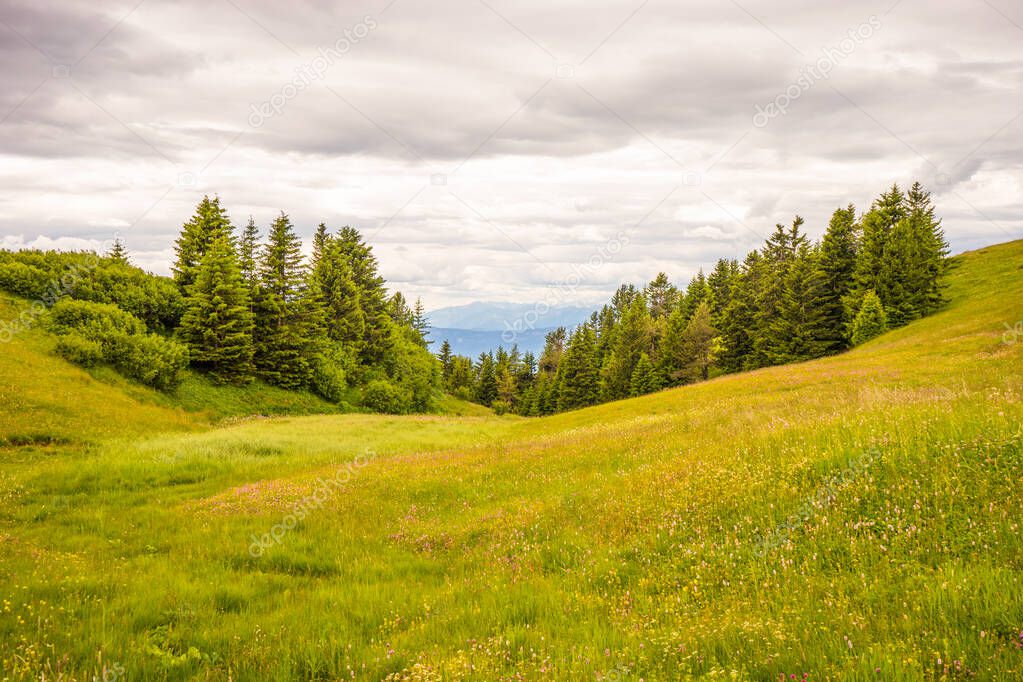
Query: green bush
x,y
79,350
92,320
148,358
383,396
501,407
93,333
329,378
25,280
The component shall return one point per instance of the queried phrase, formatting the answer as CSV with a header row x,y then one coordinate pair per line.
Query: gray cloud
x,y
553,127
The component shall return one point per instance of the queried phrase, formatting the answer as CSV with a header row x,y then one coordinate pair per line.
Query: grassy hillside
x,y
853,517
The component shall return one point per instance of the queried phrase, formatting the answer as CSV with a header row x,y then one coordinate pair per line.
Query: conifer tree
x,y
661,296
248,255
375,344
285,340
209,223
838,264
872,267
445,360
118,253
801,331
698,345
485,391
420,323
633,337
870,321
320,238
671,353
578,373
719,286
696,293
644,377
930,261
340,297
738,320
217,324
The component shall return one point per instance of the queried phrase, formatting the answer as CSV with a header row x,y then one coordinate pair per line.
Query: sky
x,y
499,150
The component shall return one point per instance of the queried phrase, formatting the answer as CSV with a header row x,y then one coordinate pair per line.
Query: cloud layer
x,y
488,147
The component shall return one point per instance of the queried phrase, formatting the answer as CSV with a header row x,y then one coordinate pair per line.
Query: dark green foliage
x,y
644,377
870,321
209,223
698,346
92,319
486,380
217,324
838,264
633,337
578,372
285,335
801,330
117,253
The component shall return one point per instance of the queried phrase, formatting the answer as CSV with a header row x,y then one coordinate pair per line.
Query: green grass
x,y
856,517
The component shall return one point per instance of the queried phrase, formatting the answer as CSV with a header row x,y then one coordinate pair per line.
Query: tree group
x,y
790,300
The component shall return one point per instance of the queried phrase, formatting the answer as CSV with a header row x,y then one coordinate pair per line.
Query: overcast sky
x,y
490,149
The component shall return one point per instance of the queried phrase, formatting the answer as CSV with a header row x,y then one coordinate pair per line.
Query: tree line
x,y
790,300
242,306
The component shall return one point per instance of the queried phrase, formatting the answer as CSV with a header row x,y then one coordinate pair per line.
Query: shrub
x,y
381,395
92,320
24,280
501,407
329,378
76,348
148,358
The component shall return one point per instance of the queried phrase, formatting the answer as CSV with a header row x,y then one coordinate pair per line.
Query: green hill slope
x,y
853,517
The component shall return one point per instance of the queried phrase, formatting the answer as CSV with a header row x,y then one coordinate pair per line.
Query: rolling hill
x,y
855,517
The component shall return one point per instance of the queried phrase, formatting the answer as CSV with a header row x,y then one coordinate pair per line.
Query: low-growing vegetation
x,y
853,517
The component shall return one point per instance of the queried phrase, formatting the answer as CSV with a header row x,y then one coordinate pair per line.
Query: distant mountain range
x,y
481,327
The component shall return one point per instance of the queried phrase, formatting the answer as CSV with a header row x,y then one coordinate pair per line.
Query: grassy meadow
x,y
856,517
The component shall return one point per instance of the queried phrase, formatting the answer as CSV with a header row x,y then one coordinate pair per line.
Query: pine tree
x,y
118,253
420,323
872,268
698,345
696,293
375,344
779,253
578,373
320,238
248,254
644,377
209,223
838,264
340,297
719,285
285,339
671,352
738,319
485,391
633,337
801,331
445,361
931,259
661,296
217,324
870,321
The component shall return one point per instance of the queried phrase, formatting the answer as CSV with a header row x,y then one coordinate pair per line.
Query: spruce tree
x,y
838,264
644,377
661,296
485,391
285,339
719,285
870,321
698,345
578,373
633,337
118,253
320,238
217,324
340,297
420,323
671,352
738,319
248,255
872,267
801,330
209,223
445,360
375,344
931,261
696,293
